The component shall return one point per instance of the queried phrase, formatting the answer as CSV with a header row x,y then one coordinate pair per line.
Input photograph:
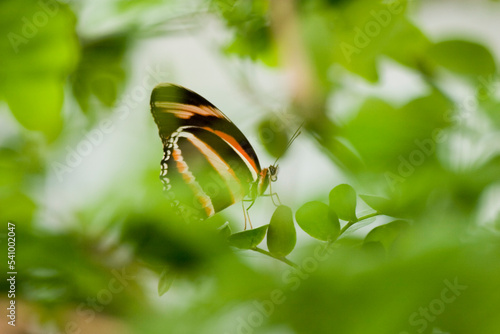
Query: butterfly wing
x,y
208,164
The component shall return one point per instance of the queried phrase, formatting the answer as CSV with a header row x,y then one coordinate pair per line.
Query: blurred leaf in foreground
x,y
464,57
39,51
100,72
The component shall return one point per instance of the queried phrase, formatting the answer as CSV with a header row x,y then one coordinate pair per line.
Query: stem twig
x,y
349,224
282,259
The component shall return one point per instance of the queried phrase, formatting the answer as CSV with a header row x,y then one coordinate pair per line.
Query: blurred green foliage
x,y
430,264
100,72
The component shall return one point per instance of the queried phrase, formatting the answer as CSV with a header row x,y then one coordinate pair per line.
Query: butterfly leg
x,y
272,194
245,212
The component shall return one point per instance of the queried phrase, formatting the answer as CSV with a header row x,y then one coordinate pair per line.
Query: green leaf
x,y
100,72
36,103
248,239
380,204
17,207
36,59
361,30
343,202
225,230
167,277
386,234
384,206
409,44
281,235
273,136
385,136
463,57
318,220
252,33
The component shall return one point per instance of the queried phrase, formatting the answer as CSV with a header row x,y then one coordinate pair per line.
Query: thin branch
x,y
282,259
296,266
350,223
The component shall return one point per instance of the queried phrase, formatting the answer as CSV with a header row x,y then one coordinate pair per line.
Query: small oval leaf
x,y
343,202
281,235
248,239
167,277
318,220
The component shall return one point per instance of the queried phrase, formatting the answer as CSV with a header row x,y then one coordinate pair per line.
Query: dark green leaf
x,y
248,239
343,202
318,220
281,236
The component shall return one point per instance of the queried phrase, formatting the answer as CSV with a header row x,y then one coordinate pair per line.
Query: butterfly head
x,y
273,172
266,175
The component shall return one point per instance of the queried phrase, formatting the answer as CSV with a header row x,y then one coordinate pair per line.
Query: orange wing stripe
x,y
203,198
186,111
236,145
216,161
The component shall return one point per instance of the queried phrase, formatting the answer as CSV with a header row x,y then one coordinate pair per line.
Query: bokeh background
x,y
400,99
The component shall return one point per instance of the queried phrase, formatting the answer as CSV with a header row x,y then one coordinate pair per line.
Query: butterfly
x,y
208,164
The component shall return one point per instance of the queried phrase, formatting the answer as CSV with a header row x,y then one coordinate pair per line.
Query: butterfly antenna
x,y
292,139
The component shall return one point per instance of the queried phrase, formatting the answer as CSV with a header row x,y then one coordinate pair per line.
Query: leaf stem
x,y
280,258
349,224
296,266
352,222
368,216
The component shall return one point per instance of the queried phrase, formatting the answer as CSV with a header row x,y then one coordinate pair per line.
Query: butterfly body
x,y
208,164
